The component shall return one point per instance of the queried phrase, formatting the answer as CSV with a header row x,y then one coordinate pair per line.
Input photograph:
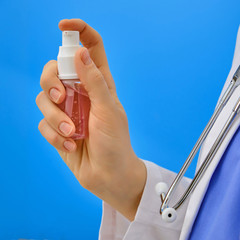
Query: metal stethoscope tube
x,y
161,188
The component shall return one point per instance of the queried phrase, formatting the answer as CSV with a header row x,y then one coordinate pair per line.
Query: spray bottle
x,y
76,104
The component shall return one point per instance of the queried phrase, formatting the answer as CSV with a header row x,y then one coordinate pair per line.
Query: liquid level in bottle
x,y
76,105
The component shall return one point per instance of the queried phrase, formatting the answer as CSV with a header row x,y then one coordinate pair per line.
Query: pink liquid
x,y
76,105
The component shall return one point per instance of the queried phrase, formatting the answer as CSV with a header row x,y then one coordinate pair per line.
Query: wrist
x,y
125,189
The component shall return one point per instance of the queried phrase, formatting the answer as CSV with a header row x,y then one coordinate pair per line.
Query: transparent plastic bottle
x,y
76,104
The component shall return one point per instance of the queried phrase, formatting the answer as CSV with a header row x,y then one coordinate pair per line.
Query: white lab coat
x,y
148,224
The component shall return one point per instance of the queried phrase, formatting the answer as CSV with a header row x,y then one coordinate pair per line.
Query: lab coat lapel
x,y
198,194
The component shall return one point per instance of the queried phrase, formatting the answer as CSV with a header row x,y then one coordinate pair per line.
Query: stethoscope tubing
x,y
210,155
166,198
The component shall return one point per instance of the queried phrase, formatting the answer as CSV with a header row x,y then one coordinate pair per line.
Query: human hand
x,y
104,162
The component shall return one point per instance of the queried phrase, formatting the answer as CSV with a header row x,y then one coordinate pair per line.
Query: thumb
x,y
92,78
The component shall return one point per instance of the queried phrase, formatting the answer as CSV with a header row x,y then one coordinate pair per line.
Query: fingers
x,y
92,40
50,83
57,119
55,139
92,79
89,37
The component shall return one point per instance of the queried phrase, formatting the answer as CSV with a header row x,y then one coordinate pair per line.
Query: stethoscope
x,y
169,214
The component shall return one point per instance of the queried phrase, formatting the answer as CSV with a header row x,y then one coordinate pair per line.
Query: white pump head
x,y
70,38
70,44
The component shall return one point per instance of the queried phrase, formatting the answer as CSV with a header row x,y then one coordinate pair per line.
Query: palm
x,y
101,145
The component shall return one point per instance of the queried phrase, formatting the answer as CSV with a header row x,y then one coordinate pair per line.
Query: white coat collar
x,y
198,195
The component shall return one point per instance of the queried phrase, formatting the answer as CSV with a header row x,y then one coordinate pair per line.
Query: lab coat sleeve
x,y
148,223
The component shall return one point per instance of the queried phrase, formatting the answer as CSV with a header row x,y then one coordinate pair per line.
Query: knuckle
x,y
53,118
53,139
51,62
40,125
48,73
42,80
99,37
97,76
38,98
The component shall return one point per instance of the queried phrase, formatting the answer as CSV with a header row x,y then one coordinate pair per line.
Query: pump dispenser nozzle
x,y
70,38
70,44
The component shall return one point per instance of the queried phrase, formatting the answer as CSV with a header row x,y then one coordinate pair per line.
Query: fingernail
x,y
65,128
69,145
54,94
86,59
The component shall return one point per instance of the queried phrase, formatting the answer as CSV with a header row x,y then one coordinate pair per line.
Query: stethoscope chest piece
x,y
168,214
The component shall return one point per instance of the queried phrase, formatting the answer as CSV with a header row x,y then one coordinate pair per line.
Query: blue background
x,y
161,54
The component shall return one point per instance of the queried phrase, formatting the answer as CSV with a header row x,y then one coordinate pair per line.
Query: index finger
x,y
50,82
90,39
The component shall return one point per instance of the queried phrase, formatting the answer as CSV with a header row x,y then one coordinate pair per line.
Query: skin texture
x,y
104,163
